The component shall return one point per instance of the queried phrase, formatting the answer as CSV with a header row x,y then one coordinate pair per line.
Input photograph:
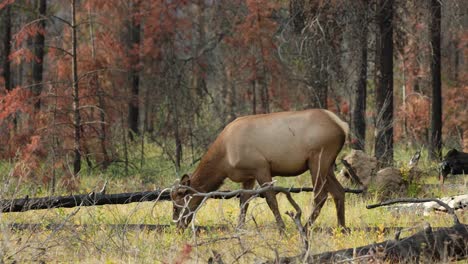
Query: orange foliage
x,y
455,111
413,118
16,100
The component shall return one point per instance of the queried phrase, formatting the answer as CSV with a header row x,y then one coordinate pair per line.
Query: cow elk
x,y
258,147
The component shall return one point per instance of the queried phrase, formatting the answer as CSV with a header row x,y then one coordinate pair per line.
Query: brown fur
x,y
256,148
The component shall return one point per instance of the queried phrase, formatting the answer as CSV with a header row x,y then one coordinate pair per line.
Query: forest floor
x,y
109,234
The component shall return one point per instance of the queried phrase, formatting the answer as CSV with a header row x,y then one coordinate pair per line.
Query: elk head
x,y
184,205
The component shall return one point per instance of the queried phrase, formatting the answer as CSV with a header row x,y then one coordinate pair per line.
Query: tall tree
x,y
38,45
359,109
384,89
296,14
100,96
6,39
320,52
436,117
133,107
75,95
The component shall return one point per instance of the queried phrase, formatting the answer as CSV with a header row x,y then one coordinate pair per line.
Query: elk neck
x,y
210,173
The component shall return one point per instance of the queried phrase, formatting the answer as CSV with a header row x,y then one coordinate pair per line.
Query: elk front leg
x,y
320,198
244,204
270,196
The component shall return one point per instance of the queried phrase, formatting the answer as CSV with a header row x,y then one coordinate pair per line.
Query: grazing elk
x,y
258,147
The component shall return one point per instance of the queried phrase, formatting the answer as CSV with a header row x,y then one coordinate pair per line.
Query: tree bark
x,y
133,107
75,95
359,109
384,89
254,97
100,198
296,14
427,245
436,117
105,161
6,38
320,51
38,65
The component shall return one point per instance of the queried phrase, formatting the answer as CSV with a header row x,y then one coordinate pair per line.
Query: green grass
x,y
89,234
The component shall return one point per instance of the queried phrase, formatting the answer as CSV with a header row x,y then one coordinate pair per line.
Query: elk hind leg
x,y
338,194
318,167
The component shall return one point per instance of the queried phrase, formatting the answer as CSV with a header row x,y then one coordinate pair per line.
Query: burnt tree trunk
x,y
38,65
254,97
76,96
296,14
444,244
6,39
436,117
384,89
133,107
321,48
105,161
100,198
359,109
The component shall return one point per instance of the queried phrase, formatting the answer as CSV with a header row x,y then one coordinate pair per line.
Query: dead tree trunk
x,y
134,105
359,109
38,65
435,148
100,198
6,39
444,244
76,97
384,89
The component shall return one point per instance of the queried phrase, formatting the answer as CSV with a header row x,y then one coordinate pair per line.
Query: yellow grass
x,y
93,240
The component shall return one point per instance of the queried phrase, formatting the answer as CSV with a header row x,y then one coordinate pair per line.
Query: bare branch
x,y
449,209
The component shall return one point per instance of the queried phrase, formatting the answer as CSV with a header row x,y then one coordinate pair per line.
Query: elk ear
x,y
185,180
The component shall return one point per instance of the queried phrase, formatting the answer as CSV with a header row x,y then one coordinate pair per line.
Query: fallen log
x,y
444,244
457,202
450,210
100,198
25,204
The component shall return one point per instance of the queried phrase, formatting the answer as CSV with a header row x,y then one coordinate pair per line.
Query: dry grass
x,y
96,239
104,234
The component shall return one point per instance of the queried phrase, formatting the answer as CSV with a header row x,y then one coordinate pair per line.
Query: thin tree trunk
x,y
265,97
133,107
296,14
457,55
359,109
384,89
178,141
320,62
101,102
436,118
124,142
75,95
6,21
38,66
254,97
